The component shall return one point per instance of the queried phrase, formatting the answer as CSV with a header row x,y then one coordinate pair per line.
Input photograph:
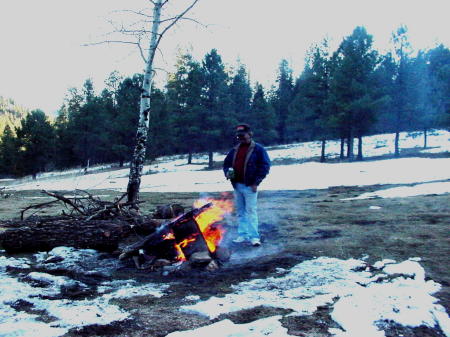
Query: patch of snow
x,y
359,299
270,326
131,290
20,263
35,290
408,268
407,191
192,298
48,280
381,264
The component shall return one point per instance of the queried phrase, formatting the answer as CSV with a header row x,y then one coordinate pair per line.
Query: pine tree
x,y
404,90
438,60
262,118
425,114
309,112
125,118
283,97
37,143
352,87
218,116
64,143
241,94
9,148
184,93
161,132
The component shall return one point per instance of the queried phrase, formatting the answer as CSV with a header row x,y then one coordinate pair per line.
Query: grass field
x,y
295,225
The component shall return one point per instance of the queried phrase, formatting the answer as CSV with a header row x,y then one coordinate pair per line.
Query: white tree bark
x,y
137,163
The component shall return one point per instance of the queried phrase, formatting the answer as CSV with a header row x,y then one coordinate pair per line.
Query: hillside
x,y
10,113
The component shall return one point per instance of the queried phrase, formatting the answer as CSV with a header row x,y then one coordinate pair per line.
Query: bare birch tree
x,y
159,26
138,159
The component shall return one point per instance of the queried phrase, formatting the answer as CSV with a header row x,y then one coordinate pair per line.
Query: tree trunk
x,y
342,155
397,138
46,234
350,146
360,154
425,138
322,154
137,162
190,157
210,160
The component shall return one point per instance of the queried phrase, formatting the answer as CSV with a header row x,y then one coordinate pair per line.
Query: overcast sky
x,y
41,53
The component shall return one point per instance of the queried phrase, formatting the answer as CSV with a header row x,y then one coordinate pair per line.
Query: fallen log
x,y
44,234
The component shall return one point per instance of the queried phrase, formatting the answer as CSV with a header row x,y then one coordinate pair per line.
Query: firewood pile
x,y
82,203
174,240
86,222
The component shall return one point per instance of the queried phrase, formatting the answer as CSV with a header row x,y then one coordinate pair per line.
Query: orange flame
x,y
182,244
205,220
169,236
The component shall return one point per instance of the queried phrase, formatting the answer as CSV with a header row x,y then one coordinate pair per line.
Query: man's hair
x,y
244,127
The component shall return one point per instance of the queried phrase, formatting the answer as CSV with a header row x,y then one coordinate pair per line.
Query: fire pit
x,y
193,237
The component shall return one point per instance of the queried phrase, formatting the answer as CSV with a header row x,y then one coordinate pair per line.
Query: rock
x,y
161,263
212,266
200,258
75,290
181,266
222,254
54,259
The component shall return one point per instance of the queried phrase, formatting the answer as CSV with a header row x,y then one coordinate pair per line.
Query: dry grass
x,y
301,224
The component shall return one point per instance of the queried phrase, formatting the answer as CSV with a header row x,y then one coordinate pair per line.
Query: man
x,y
246,165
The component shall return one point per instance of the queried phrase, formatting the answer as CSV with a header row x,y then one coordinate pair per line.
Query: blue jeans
x,y
247,211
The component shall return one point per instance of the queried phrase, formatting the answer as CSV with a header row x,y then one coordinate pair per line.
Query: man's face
x,y
243,137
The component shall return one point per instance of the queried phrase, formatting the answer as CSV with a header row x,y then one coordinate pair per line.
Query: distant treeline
x,y
344,94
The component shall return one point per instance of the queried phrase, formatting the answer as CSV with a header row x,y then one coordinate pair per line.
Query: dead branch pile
x,y
84,204
86,222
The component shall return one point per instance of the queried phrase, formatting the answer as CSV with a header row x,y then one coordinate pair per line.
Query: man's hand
x,y
254,188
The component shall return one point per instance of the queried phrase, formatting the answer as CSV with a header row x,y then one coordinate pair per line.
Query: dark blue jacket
x,y
256,167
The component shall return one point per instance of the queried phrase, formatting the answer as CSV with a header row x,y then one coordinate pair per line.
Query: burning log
x,y
168,211
193,235
156,242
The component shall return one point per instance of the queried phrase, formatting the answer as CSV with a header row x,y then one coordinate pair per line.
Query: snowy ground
x,y
41,292
387,290
171,174
363,297
360,299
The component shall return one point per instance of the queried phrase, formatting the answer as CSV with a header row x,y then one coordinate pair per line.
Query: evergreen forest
x,y
345,94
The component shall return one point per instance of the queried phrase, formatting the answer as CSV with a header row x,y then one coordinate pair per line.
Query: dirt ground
x,y
295,226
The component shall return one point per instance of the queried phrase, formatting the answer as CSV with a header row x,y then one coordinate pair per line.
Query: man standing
x,y
246,165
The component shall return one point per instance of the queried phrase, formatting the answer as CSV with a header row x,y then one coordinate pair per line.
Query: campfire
x,y
190,240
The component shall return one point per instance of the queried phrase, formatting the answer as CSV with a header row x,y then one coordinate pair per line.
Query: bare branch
x,y
175,20
162,69
109,41
187,19
141,12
